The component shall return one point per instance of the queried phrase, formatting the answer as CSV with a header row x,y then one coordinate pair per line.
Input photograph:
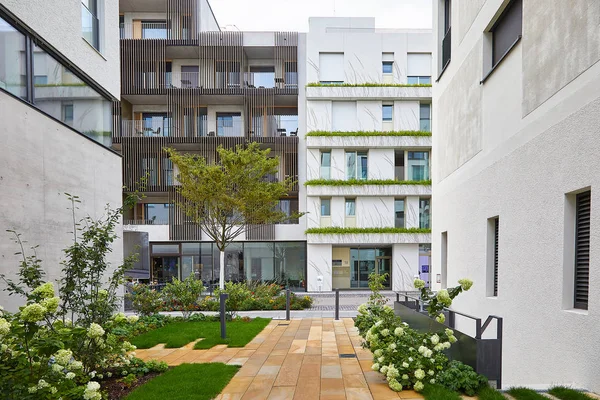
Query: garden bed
x,y
118,390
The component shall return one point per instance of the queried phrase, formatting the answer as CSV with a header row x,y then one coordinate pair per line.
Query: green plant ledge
x,y
366,84
356,182
347,231
368,133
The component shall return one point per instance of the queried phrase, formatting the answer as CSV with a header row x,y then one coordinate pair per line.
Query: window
x,y
447,37
582,249
167,171
492,275
399,213
262,77
189,76
67,114
30,72
325,207
350,207
331,67
388,113
388,67
89,22
507,30
444,257
289,207
149,170
356,165
154,29
343,116
229,124
418,165
12,51
157,214
424,213
399,165
325,165
419,68
425,117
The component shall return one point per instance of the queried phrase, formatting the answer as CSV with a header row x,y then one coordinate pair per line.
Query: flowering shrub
x,y
436,302
145,301
407,358
184,294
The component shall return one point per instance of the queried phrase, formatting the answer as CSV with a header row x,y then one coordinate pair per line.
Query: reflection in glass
x,y
399,213
350,207
157,214
325,165
424,213
418,165
325,207
90,113
12,67
388,112
164,269
356,165
425,117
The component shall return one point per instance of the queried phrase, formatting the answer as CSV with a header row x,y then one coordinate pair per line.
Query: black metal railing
x,y
446,48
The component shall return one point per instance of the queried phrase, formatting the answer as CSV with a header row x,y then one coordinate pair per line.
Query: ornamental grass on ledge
x,y
367,84
356,182
369,133
334,230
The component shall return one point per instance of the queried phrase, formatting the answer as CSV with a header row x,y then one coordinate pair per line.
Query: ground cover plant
x,y
437,392
187,381
565,393
489,393
461,378
177,334
521,393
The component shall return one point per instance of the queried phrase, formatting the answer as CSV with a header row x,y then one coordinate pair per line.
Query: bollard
x,y
287,304
222,299
337,304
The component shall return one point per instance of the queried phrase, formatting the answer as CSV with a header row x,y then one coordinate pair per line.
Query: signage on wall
x,y
438,278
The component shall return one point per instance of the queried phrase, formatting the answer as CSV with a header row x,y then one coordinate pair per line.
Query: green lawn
x,y
489,393
437,392
187,381
525,394
178,334
565,393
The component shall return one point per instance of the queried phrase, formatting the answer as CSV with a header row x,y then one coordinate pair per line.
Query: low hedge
x,y
369,133
346,231
356,182
367,84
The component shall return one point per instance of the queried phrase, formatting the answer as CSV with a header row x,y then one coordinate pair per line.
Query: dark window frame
x,y
496,237
515,6
95,26
33,39
581,282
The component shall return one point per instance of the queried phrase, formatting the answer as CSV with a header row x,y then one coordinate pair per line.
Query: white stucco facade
x,y
43,159
518,147
352,51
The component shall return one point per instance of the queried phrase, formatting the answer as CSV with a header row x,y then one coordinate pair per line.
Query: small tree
x,y
227,197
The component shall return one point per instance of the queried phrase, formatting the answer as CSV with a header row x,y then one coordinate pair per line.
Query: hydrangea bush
x,y
408,359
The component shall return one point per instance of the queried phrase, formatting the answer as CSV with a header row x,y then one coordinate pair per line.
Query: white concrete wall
x,y
41,161
59,23
519,161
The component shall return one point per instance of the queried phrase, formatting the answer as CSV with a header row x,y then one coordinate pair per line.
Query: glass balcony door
x,y
154,124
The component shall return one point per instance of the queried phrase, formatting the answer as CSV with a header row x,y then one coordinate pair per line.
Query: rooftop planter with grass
x,y
334,230
368,133
356,182
365,84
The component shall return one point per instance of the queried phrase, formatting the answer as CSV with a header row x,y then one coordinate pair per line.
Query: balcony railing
x,y
145,222
230,80
145,128
446,48
144,30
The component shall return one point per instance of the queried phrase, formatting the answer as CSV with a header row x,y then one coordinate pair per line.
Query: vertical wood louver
x,y
143,66
496,227
582,249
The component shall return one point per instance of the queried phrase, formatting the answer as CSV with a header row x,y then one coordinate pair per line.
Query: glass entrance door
x,y
384,266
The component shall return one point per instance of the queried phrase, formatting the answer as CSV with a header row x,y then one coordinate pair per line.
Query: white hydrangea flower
x,y
392,346
395,385
133,319
57,368
70,375
432,381
32,389
398,331
410,359
422,349
419,374
465,284
53,390
419,284
92,391
4,326
405,364
45,290
95,331
449,332
392,372
381,359
452,339
441,318
375,367
447,345
431,372
76,365
385,332
435,339
42,384
428,353
383,369
405,377
63,356
418,386
378,353
93,374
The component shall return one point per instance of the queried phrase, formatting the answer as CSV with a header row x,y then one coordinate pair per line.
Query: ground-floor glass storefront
x,y
351,266
281,262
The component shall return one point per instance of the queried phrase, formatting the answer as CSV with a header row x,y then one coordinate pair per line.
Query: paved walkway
x,y
298,359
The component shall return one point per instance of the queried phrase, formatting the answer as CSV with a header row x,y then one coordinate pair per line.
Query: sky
x,y
292,15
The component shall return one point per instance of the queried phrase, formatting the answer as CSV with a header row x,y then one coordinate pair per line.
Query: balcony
x,y
144,30
145,222
145,128
230,80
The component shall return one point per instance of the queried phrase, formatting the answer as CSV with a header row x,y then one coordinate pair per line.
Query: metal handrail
x,y
479,328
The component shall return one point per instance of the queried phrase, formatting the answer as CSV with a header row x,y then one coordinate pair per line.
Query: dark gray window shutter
x,y
582,249
507,30
496,224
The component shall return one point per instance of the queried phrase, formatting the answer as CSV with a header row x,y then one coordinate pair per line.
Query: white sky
x,y
292,15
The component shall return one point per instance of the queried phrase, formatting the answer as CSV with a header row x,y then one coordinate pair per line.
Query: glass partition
x,y
12,53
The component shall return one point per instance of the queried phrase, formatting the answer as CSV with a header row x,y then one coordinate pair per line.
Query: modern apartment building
x,y
515,167
59,70
364,173
189,86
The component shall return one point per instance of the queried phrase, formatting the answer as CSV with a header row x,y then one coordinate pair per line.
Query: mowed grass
x,y
525,394
565,393
187,381
489,393
437,392
178,334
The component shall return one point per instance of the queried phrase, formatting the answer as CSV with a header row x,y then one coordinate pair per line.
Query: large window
x,y
388,113
507,30
350,207
356,165
31,73
418,165
582,249
331,67
325,207
325,164
12,53
157,214
89,22
229,124
399,213
425,117
154,29
419,68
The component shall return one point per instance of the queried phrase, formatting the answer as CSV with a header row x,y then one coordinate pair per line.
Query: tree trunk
x,y
222,270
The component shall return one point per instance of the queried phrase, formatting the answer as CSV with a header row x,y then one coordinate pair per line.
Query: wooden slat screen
x,y
582,249
143,66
